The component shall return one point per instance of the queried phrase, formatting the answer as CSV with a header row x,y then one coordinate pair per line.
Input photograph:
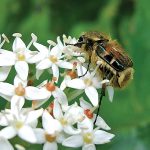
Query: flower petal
x,y
5,144
55,51
61,97
60,45
17,103
8,132
101,123
74,113
38,73
50,146
41,48
17,81
55,71
82,70
19,147
36,58
84,104
63,64
86,125
44,64
92,94
6,89
50,124
33,115
101,137
57,111
110,90
38,104
33,93
73,141
89,147
63,85
27,134
7,59
46,119
4,119
40,135
18,45
4,72
76,84
22,69
62,136
71,130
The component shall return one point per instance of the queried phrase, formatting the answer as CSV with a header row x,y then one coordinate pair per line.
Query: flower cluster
x,y
44,90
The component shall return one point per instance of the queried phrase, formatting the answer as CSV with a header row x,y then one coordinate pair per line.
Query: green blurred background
x,y
128,21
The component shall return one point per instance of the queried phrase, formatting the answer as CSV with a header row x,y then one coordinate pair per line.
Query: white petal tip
x,y
81,59
51,43
5,38
34,37
17,35
105,81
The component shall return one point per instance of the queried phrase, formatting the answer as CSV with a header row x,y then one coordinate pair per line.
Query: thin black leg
x,y
87,69
100,101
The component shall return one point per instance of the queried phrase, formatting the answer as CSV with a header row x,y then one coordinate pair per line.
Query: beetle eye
x,y
80,39
89,42
102,42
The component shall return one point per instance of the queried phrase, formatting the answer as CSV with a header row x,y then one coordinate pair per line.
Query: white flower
x,y
4,72
20,123
89,82
19,57
18,92
66,46
51,59
68,118
51,134
88,111
52,90
110,91
5,144
88,137
71,74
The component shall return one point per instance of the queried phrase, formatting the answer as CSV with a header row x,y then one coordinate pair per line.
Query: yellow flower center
x,y
63,121
87,137
18,124
20,90
50,137
88,81
21,57
53,59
